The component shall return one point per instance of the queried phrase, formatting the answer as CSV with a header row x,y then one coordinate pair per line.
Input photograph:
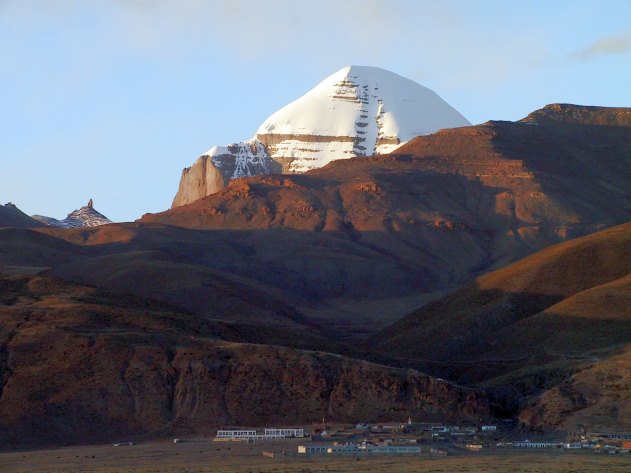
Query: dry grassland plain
x,y
203,456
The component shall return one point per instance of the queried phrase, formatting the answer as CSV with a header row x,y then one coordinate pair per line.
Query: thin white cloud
x,y
255,29
436,40
620,44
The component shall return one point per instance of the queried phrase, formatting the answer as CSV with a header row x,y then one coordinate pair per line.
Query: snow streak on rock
x,y
244,159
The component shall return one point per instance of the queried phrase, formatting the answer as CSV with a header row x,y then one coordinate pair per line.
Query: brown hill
x,y
553,328
79,365
250,277
560,279
596,396
11,216
27,251
159,265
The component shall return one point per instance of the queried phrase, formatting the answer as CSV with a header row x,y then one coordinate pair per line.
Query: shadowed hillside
x,y
553,328
11,216
79,365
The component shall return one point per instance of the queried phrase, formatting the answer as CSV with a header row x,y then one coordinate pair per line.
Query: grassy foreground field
x,y
203,456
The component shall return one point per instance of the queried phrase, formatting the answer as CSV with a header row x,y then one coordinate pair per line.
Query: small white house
x,y
313,449
489,428
573,445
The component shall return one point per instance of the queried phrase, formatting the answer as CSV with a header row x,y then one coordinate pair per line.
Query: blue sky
x,y
111,99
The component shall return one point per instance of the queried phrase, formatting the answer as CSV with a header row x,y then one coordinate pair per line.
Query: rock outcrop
x,y
86,216
212,171
358,111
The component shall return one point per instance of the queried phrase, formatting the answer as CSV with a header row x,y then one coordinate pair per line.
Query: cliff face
x,y
358,111
199,180
212,171
79,365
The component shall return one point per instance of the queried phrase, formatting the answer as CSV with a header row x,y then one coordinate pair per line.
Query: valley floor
x,y
204,456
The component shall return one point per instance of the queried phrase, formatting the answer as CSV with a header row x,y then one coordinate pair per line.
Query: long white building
x,y
529,444
286,432
352,449
236,434
251,434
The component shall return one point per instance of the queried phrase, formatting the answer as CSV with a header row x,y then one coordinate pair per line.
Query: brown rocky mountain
x,y
552,332
81,365
443,208
318,262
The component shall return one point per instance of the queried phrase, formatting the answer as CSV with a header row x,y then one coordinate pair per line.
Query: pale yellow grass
x,y
204,457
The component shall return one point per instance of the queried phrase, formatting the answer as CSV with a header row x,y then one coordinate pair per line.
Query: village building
x,y
285,432
355,449
529,444
610,435
253,435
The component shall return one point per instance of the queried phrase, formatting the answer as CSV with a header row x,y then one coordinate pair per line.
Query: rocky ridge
x,y
443,207
86,216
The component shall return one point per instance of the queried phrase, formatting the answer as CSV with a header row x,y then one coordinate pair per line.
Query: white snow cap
x,y
358,111
365,101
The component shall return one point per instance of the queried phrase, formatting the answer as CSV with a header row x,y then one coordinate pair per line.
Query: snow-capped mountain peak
x,y
357,111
